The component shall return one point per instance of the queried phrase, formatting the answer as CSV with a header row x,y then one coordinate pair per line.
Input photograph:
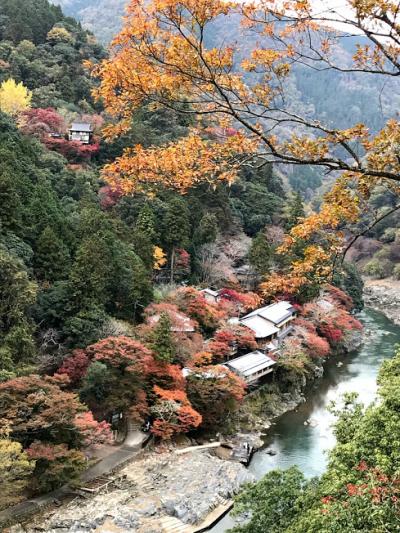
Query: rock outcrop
x,y
187,487
384,296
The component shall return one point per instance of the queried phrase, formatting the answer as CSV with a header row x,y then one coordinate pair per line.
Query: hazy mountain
x,y
102,17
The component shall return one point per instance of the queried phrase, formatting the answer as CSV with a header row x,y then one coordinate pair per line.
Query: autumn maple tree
x,y
162,57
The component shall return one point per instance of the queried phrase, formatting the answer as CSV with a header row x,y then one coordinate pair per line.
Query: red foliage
x,y
220,350
72,150
317,346
75,366
44,450
140,409
42,122
182,260
36,407
227,341
193,303
306,324
245,338
91,431
245,301
123,353
109,196
340,298
165,375
331,333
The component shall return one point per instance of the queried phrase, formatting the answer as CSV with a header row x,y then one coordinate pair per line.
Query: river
x,y
302,437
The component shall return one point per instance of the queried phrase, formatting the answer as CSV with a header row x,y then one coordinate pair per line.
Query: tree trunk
x,y
172,264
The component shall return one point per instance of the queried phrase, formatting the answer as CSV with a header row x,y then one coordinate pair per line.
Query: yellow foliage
x,y
15,470
159,257
14,97
59,35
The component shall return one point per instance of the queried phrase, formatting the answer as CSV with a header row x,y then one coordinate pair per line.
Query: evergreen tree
x,y
10,203
295,211
260,254
162,342
207,230
51,257
131,284
146,222
91,272
177,222
17,295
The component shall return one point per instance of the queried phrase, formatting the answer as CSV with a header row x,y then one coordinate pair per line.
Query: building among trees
x,y
81,132
252,366
270,324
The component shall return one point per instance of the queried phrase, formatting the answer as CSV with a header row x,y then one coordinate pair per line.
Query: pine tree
x,y
295,211
51,257
91,272
146,222
207,230
177,223
260,254
162,342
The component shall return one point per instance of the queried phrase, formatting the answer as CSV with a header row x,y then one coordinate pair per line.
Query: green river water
x,y
302,437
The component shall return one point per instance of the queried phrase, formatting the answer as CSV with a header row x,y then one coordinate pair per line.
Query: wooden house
x,y
252,366
270,324
81,132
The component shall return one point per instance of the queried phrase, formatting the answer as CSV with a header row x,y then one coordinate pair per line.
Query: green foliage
x,y
84,327
17,295
360,489
256,197
207,229
162,342
45,50
294,211
178,223
51,256
260,254
273,503
350,281
378,268
97,382
27,20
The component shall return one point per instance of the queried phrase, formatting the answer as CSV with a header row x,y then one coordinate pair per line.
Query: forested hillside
x,y
104,18
155,197
331,96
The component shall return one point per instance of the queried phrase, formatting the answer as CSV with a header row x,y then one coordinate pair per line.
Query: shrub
x,y
396,272
378,269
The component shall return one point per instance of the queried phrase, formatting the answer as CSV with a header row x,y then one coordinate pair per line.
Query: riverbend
x,y
303,437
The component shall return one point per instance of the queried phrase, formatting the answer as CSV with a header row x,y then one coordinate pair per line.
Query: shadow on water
x,y
303,437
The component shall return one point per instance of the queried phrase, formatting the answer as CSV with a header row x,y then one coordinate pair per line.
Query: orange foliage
x,y
173,413
160,56
192,302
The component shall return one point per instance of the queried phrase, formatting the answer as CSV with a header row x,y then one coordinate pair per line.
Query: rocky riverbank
x,y
148,491
384,295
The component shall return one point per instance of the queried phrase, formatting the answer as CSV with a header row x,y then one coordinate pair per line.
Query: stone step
x,y
170,524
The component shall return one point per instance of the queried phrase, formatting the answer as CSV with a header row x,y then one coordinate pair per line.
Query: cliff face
x,y
384,296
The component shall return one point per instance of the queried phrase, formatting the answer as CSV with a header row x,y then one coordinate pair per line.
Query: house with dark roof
x,y
81,132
